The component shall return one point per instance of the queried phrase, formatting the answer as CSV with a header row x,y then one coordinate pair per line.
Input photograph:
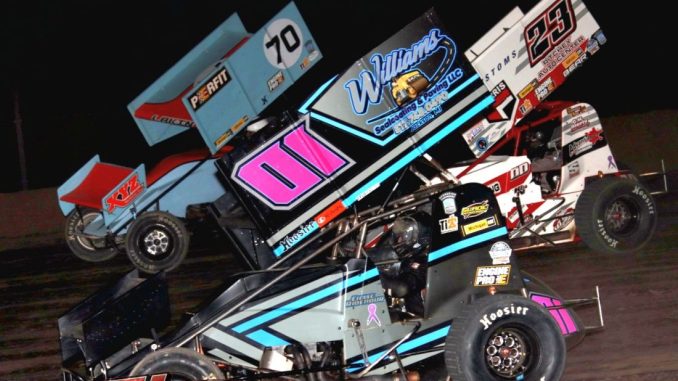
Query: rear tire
x,y
504,337
157,241
180,363
87,249
615,215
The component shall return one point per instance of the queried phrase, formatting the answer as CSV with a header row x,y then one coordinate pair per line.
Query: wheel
x,y
504,337
615,215
157,241
88,249
180,363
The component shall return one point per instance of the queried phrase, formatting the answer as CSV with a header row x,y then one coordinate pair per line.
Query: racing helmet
x,y
409,234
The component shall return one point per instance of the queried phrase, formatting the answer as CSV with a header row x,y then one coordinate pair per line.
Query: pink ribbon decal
x,y
372,314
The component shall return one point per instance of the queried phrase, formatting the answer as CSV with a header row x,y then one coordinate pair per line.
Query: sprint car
x,y
357,274
558,181
109,207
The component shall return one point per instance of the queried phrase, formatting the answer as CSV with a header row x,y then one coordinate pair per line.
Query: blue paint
x,y
267,339
405,160
407,346
300,303
350,130
447,250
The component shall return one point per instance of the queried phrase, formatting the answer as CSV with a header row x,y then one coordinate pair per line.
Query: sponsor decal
x,y
504,102
313,53
173,120
592,139
372,316
577,124
611,242
594,135
234,129
573,168
557,56
572,58
449,202
276,81
473,132
480,225
222,138
526,107
304,230
503,63
330,213
563,218
304,63
492,276
211,87
368,191
500,253
574,66
488,320
416,114
527,89
545,89
367,89
238,125
575,110
124,195
482,144
475,209
449,224
647,199
363,299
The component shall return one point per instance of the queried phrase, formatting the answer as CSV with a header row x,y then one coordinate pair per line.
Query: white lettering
x,y
487,321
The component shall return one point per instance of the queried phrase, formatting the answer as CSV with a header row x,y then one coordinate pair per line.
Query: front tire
x,y
180,363
615,215
157,241
85,248
504,337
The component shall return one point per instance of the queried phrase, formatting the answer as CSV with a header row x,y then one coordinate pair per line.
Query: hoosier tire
x,y
87,249
157,241
615,215
504,337
180,363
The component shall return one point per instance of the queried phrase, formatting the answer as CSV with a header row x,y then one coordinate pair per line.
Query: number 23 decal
x,y
549,29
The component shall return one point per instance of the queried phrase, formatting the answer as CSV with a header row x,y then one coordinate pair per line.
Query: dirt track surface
x,y
639,297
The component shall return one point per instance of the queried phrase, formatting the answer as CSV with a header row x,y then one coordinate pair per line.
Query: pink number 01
x,y
287,170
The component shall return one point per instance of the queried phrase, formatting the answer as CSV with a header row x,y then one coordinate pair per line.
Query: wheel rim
x,y
621,216
509,352
88,243
156,242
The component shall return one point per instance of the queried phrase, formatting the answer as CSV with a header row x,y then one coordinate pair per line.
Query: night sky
x,y
76,65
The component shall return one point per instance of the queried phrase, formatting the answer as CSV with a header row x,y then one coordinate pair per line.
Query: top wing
x,y
226,80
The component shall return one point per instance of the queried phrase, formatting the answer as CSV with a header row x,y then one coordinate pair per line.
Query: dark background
x,y
76,65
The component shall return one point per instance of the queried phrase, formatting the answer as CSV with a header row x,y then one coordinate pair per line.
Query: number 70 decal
x,y
290,167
